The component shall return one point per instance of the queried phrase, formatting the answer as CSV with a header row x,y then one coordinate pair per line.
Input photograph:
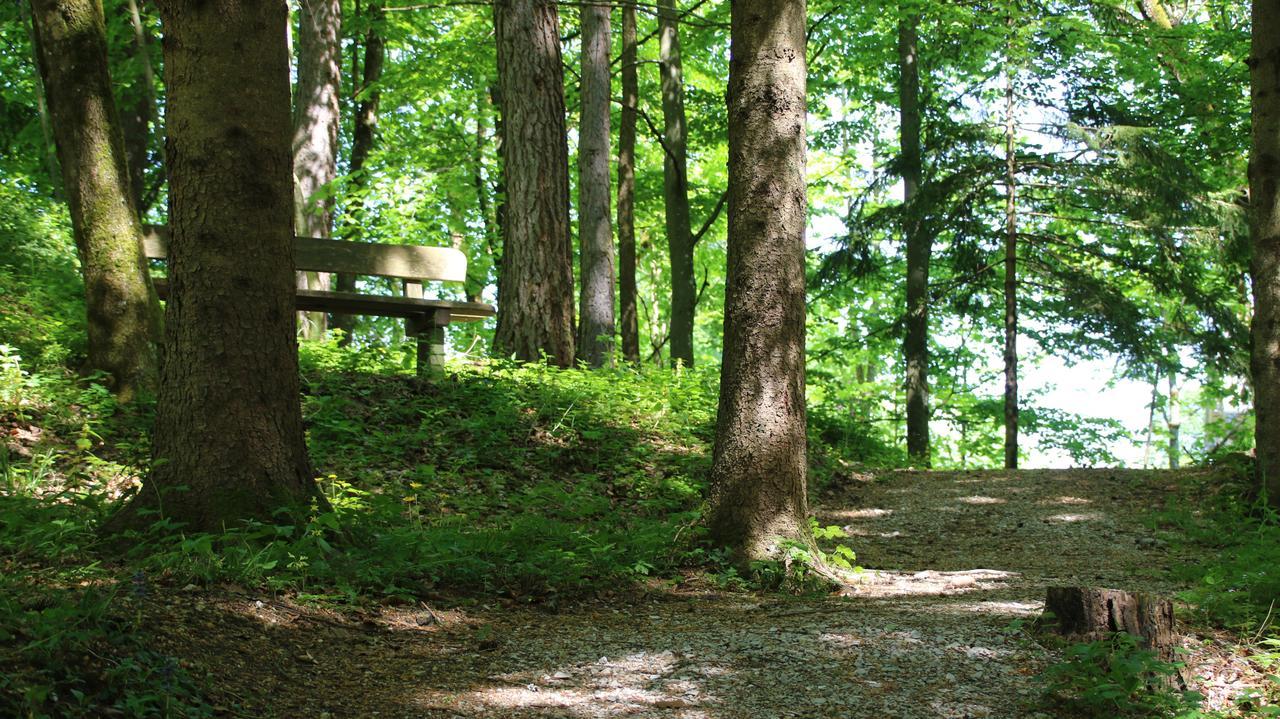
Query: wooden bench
x,y
425,319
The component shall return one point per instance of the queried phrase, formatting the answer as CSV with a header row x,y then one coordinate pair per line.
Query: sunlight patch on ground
x,y
857,513
624,686
999,609
1068,518
929,583
853,531
978,499
1068,500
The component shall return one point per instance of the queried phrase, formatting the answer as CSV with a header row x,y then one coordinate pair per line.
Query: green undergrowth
x,y
1115,678
1233,585
1238,585
525,483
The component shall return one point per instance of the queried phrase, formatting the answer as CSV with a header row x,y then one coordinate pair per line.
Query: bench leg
x,y
429,332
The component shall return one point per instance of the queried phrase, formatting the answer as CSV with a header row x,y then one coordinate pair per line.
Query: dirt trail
x,y
960,559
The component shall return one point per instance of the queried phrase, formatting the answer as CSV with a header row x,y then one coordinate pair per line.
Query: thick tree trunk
x,y
1264,212
675,186
316,116
123,312
1010,277
629,320
362,140
919,245
757,497
595,231
228,440
535,286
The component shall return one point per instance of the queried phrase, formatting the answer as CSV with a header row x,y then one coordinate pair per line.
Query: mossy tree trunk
x,y
316,116
123,312
1264,206
596,327
229,440
758,472
535,284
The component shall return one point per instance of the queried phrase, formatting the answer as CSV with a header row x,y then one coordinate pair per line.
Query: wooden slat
x,y
356,258
351,303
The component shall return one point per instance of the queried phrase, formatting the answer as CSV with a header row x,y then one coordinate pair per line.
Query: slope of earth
x,y
961,561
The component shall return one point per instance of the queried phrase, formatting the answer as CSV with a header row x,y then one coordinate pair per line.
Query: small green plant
x,y
14,380
1114,678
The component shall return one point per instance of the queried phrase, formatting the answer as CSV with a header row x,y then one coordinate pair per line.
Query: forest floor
x,y
958,563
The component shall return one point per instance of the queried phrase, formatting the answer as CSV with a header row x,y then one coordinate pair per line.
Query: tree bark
x,y
136,119
675,186
229,440
316,116
629,320
48,145
1088,614
1264,215
595,231
757,496
362,141
1010,272
535,287
123,312
919,245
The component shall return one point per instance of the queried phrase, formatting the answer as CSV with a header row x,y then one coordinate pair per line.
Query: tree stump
x,y
1087,614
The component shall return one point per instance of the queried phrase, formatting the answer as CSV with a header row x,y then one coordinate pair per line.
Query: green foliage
x,y
1239,587
1115,678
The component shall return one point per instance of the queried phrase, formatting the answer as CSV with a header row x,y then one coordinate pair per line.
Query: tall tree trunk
x,y
316,116
362,140
1174,420
138,114
500,182
629,320
757,496
479,179
535,286
42,109
1264,212
228,439
595,231
123,312
919,245
1010,271
675,185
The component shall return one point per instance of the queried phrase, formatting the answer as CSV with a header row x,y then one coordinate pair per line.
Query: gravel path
x,y
962,559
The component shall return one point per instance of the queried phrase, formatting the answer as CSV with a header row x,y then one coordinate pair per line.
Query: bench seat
x,y
425,319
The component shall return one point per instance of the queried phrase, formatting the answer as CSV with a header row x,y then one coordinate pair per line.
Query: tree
x,y
140,109
123,312
535,284
1264,206
316,116
228,440
1010,262
595,232
918,243
365,133
675,185
758,470
629,319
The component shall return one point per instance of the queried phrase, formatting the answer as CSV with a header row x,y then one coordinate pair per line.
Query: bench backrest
x,y
312,254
